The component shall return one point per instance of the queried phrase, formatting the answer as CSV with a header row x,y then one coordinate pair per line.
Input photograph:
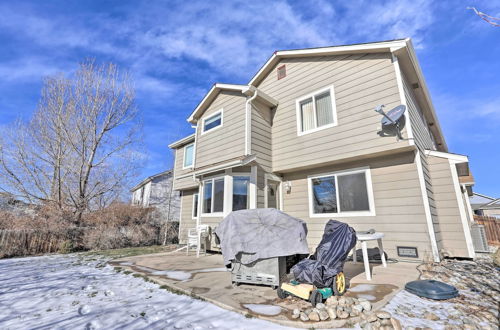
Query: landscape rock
x,y
366,305
332,313
349,301
295,316
296,311
383,315
323,315
320,306
304,317
342,314
396,324
342,301
333,300
313,316
371,317
431,316
385,322
358,307
496,258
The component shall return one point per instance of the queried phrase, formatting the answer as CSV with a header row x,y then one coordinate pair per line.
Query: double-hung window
x,y
212,122
241,186
316,111
213,195
188,155
346,193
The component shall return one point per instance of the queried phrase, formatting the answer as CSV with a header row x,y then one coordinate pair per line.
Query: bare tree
x,y
79,148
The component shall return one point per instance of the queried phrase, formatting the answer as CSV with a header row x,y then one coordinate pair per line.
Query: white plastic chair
x,y
198,237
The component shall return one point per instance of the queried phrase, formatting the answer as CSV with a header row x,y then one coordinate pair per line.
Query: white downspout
x,y
248,123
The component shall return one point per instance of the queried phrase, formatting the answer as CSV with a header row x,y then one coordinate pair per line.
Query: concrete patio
x,y
207,278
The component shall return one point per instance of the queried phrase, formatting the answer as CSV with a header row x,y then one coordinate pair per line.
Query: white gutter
x,y
248,123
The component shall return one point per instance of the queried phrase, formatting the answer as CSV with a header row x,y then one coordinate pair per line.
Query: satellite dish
x,y
393,121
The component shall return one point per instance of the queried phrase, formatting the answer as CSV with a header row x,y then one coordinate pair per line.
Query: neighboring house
x,y
302,136
157,191
485,205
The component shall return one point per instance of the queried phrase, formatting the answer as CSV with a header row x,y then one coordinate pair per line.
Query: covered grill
x,y
256,242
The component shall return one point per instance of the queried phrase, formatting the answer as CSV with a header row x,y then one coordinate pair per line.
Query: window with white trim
x,y
213,195
212,122
188,155
241,185
316,111
341,193
195,205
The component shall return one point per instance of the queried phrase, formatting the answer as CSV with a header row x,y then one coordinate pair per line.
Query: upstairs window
x,y
188,155
212,122
342,193
316,111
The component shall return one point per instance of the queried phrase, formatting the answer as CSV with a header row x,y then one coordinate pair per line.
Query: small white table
x,y
363,238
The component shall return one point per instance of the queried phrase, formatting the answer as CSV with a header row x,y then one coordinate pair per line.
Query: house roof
x,y
181,142
211,95
402,48
480,201
369,47
149,178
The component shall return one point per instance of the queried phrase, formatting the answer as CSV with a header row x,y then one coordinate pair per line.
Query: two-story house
x,y
302,136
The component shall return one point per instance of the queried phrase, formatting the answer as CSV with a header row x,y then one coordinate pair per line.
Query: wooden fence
x,y
492,228
29,242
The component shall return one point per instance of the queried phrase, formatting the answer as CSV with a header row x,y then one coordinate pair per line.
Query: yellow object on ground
x,y
300,290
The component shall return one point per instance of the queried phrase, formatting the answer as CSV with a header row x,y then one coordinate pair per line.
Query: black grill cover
x,y
328,260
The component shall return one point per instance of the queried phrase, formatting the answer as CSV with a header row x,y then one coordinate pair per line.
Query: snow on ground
x,y
81,292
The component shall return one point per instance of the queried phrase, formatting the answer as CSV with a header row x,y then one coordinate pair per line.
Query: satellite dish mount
x,y
393,121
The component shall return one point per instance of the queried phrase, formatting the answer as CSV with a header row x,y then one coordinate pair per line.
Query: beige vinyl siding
x,y
423,141
420,130
186,215
261,138
261,143
360,81
226,142
452,234
184,182
398,203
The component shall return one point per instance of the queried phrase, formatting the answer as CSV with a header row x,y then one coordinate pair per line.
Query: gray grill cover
x,y
249,235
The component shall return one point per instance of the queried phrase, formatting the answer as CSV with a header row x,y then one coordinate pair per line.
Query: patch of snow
x,y
69,292
367,296
362,288
210,270
263,309
173,274
417,305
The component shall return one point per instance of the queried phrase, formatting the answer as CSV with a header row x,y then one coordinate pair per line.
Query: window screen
x,y
324,195
324,113
240,192
307,113
188,155
353,193
195,205
207,197
218,195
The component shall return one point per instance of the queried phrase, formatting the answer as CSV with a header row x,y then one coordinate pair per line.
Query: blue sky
x,y
176,50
